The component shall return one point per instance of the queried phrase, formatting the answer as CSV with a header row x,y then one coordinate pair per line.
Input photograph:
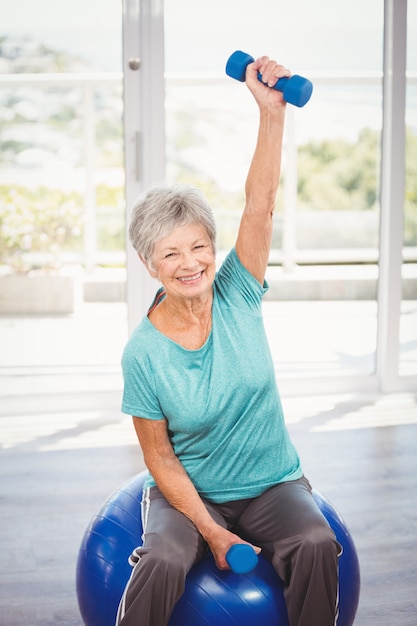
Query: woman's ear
x,y
148,267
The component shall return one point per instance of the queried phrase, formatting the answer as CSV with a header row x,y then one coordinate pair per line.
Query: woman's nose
x,y
188,259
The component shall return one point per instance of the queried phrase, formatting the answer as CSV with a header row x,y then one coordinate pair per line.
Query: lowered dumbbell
x,y
295,90
241,558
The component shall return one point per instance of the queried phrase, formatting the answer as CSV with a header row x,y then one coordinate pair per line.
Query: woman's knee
x,y
319,541
157,570
164,555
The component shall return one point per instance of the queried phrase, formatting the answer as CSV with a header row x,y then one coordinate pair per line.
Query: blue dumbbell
x,y
241,558
296,89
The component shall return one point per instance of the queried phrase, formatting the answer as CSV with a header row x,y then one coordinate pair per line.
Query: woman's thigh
x,y
281,514
167,533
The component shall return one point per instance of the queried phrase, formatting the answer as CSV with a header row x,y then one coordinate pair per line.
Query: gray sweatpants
x,y
284,521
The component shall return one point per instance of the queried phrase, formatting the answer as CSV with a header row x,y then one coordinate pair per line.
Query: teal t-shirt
x,y
221,402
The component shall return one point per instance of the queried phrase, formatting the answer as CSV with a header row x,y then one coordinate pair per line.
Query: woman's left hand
x,y
271,72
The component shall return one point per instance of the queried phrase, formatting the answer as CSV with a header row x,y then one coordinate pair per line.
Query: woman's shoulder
x,y
138,340
142,341
233,279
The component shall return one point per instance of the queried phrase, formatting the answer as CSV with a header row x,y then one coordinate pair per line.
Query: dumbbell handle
x,y
296,89
241,558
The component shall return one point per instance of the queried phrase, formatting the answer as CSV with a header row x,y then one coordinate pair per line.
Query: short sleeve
x,y
234,280
139,394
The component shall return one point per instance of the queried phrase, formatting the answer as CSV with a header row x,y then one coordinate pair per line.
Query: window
x,y
322,311
61,186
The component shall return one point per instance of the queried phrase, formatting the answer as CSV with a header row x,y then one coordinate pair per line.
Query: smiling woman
x,y
200,384
173,231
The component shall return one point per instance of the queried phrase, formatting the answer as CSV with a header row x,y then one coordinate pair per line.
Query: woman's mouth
x,y
190,279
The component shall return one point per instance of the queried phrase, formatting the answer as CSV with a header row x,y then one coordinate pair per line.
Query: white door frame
x,y
392,200
144,128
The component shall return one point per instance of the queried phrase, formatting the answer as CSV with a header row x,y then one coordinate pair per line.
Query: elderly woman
x,y
200,385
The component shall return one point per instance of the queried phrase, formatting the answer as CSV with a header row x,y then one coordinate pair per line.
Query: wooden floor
x,y
63,454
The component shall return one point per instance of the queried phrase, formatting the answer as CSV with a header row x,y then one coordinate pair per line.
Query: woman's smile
x,y
190,279
184,261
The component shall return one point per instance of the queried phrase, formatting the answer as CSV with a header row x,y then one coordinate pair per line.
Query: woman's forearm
x,y
265,168
255,232
169,474
178,489
180,492
176,486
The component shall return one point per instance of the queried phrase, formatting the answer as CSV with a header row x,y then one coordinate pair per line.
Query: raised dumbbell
x,y
295,90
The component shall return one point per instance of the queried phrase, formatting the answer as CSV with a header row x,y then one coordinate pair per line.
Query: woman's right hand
x,y
220,541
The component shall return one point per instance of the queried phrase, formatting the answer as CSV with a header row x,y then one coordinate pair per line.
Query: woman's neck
x,y
187,312
187,322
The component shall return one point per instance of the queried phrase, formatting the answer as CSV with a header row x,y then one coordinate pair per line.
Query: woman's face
x,y
184,262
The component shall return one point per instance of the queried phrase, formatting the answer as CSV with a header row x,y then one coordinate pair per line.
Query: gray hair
x,y
162,209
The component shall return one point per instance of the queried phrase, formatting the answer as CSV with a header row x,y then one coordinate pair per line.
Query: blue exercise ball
x,y
211,596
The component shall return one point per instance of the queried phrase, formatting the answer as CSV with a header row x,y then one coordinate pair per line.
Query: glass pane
x,y
325,245
61,185
408,322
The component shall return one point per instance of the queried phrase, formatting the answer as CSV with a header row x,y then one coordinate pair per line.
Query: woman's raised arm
x,y
254,238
